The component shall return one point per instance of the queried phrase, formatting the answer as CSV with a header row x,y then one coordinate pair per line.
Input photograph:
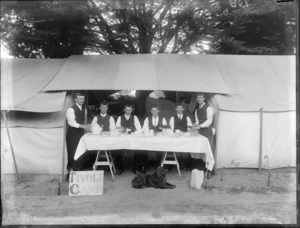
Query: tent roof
x,y
247,82
267,82
22,81
142,72
242,82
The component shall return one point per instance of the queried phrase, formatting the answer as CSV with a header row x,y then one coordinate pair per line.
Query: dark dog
x,y
156,180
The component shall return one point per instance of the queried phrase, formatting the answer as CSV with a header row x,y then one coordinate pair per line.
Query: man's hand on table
x,y
86,127
196,127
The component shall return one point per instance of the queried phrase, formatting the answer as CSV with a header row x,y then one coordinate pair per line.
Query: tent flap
x,y
36,150
22,82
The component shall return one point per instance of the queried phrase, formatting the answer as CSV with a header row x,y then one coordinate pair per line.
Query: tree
x,y
262,27
58,29
44,29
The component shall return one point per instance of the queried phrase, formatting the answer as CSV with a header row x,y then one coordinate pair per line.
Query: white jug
x,y
96,129
197,178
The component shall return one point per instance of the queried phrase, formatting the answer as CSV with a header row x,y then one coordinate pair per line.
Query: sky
x,y
4,53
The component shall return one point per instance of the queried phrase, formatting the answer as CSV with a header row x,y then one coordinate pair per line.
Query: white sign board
x,y
86,183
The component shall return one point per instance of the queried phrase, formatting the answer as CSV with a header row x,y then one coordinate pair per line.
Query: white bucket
x,y
197,178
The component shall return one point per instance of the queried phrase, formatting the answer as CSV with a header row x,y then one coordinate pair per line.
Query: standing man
x,y
204,118
154,122
76,117
106,122
128,121
180,121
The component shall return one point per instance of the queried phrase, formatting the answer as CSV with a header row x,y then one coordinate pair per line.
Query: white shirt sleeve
x,y
71,118
94,121
137,124
171,123
210,114
164,122
112,125
146,125
85,116
189,122
118,124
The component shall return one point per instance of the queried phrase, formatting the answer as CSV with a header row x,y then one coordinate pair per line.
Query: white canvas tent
x,y
35,119
242,86
260,82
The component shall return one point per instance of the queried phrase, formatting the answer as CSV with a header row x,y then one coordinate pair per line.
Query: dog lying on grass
x,y
156,180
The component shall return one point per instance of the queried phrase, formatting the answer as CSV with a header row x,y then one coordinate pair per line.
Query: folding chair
x,y
109,162
164,161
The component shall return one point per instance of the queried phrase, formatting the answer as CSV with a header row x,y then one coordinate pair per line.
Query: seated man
x,y
155,122
128,121
180,121
106,122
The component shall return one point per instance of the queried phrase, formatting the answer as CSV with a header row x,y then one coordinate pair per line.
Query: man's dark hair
x,y
104,103
155,106
129,106
79,93
179,104
200,94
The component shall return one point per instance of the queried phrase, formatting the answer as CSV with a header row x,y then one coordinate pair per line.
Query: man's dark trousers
x,y
72,140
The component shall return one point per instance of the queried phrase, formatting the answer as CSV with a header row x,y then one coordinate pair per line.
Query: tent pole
x,y
87,106
260,138
63,154
10,142
216,137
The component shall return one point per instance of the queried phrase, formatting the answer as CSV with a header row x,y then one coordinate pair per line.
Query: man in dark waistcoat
x,y
76,116
180,121
129,122
106,122
204,118
155,122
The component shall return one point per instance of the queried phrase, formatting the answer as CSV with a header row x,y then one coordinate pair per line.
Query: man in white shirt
x,y
105,121
76,117
180,121
154,122
204,118
129,122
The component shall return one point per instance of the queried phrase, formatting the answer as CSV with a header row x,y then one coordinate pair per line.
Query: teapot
x,y
96,129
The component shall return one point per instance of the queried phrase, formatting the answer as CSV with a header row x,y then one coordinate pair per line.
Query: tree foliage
x,y
58,29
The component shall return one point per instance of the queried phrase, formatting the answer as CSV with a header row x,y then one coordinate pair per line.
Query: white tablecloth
x,y
197,145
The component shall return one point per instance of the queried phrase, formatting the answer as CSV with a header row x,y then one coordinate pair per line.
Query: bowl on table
x,y
105,133
138,134
186,134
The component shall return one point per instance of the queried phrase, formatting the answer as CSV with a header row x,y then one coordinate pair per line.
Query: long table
x,y
197,145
